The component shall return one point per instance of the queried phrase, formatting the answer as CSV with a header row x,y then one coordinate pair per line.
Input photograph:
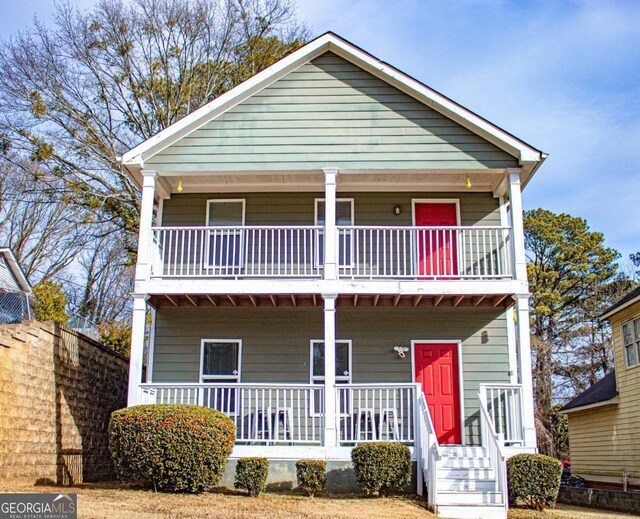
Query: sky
x,y
563,76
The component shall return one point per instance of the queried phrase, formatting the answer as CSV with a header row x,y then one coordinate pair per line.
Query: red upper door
x,y
436,369
437,250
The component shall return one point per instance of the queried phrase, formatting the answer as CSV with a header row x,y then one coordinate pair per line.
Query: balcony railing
x,y
364,252
262,413
424,252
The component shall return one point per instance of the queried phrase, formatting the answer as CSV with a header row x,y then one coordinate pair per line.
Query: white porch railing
x,y
429,452
244,251
504,407
493,442
375,412
262,413
472,252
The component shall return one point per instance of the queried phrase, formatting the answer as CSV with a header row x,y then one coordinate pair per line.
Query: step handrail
x,y
430,452
494,444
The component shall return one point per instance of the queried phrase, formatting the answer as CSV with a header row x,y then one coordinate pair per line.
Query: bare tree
x,y
75,95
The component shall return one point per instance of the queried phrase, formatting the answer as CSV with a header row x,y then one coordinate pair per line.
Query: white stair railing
x,y
493,442
428,453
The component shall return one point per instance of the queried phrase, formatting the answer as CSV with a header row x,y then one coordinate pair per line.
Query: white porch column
x,y
143,265
136,357
330,231
517,227
526,379
330,422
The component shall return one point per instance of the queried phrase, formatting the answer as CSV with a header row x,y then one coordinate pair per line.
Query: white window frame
x,y
212,378
634,342
207,223
320,234
315,379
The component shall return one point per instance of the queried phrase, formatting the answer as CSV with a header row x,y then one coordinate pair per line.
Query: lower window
x,y
343,369
220,365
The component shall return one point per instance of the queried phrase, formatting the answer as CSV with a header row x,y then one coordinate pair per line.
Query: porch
x,y
293,414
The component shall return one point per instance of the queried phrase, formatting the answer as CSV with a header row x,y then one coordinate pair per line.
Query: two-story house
x,y
603,420
337,257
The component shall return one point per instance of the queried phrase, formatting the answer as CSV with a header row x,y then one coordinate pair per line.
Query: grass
x,y
114,501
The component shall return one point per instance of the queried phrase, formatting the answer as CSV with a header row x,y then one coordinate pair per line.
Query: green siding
x,y
298,208
275,343
329,112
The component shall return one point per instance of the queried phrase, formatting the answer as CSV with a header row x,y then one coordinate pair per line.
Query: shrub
x,y
534,480
380,466
174,447
116,336
251,475
50,302
311,475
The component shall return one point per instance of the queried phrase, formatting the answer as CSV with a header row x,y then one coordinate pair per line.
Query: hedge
x,y
379,466
311,475
172,447
251,475
534,480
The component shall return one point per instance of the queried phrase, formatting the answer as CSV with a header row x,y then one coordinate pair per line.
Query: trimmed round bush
x,y
381,466
534,480
311,475
172,447
251,475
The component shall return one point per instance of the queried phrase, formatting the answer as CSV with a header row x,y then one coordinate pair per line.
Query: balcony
x,y
364,252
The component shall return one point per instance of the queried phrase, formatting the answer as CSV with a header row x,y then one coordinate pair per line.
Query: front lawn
x,y
113,501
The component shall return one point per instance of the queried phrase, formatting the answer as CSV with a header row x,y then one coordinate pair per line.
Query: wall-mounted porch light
x,y
401,351
468,182
397,209
179,188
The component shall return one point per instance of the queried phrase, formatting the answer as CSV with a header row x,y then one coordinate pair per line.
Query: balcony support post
x,y
136,357
143,264
517,227
330,418
330,229
526,379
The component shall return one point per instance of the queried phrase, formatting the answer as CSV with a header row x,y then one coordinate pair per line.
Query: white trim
x,y
297,452
331,42
415,201
620,308
611,402
460,374
320,234
16,270
212,378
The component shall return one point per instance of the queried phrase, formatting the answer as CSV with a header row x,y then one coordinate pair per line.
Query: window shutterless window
x,y
220,363
344,216
225,241
343,366
631,342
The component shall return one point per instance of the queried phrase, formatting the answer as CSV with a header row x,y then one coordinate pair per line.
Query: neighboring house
x,y
337,257
14,290
604,421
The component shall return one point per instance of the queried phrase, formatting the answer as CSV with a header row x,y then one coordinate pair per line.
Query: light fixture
x,y
468,183
179,188
397,209
401,351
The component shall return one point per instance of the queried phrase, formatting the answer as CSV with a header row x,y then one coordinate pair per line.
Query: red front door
x,y
437,250
436,369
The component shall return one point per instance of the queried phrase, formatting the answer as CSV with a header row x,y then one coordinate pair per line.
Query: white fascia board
x,y
333,43
619,308
17,271
612,401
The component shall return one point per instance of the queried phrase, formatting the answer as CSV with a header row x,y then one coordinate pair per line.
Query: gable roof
x,y
16,270
526,155
627,300
601,392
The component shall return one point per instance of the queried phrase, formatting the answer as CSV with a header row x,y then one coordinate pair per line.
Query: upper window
x,y
631,342
343,361
225,242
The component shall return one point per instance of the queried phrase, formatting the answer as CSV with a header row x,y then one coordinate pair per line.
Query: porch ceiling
x,y
344,300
